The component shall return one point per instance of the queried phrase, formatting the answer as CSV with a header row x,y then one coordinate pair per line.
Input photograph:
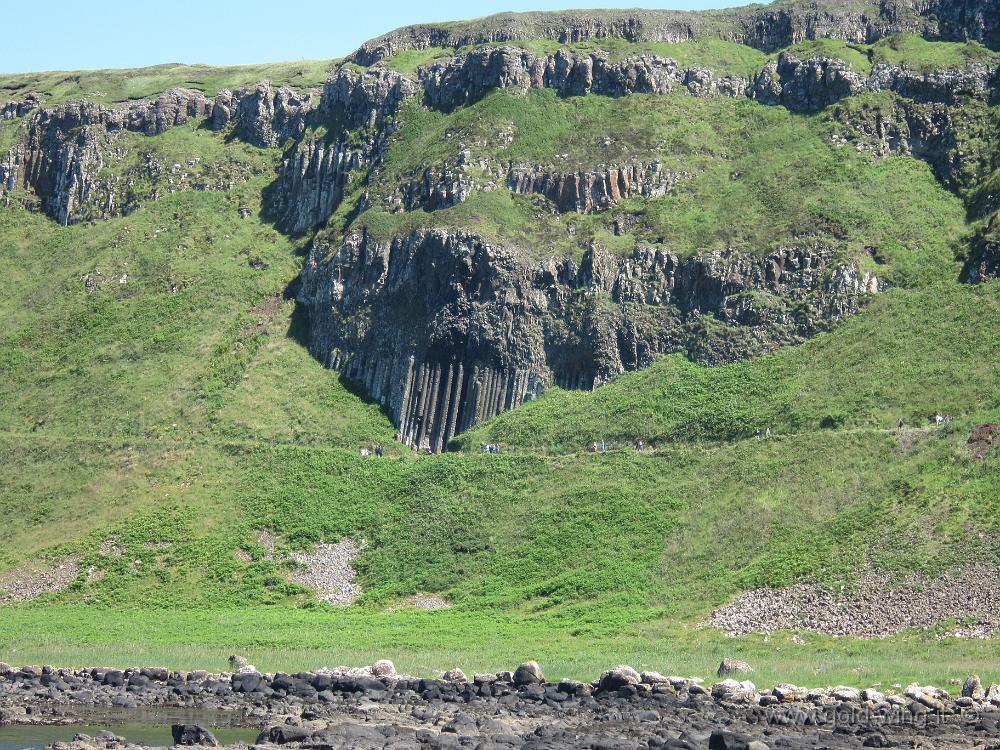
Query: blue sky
x,y
69,35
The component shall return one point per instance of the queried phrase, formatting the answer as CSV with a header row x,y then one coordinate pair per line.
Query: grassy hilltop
x,y
154,391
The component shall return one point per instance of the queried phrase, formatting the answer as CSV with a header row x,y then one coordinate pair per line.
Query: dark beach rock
x,y
192,734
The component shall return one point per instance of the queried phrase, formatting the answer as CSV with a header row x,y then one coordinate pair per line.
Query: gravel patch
x,y
420,601
268,541
328,570
874,608
111,548
26,583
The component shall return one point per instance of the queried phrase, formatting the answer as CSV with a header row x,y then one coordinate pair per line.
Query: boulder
x,y
733,690
568,686
283,734
872,696
993,694
114,678
383,668
192,734
723,740
733,666
454,675
247,682
786,692
237,662
157,674
653,678
846,694
619,677
973,688
529,673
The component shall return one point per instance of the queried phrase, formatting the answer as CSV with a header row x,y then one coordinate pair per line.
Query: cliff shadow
x,y
298,331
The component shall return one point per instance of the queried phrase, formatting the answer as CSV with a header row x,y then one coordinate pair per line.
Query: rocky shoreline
x,y
373,707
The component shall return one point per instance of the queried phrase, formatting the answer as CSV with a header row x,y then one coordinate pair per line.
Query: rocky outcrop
x,y
262,115
468,78
583,191
950,86
766,28
949,139
315,173
983,263
593,190
68,146
312,182
805,86
446,329
438,187
22,107
800,85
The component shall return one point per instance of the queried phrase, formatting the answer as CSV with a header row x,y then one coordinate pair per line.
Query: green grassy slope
x,y
178,414
139,83
911,354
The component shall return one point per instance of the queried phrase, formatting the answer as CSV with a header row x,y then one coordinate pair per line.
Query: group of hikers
x,y
640,445
938,419
604,446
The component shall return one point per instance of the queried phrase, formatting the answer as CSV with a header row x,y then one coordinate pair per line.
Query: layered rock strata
x,y
765,28
68,146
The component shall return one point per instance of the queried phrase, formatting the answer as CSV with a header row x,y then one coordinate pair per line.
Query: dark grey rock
x,y
192,734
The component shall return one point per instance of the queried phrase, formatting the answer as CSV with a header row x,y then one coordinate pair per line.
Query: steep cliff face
x,y
446,329
468,78
67,147
446,325
315,173
800,85
765,28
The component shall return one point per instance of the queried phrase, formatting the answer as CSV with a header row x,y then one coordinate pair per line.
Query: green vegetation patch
x,y
917,53
748,176
109,86
855,55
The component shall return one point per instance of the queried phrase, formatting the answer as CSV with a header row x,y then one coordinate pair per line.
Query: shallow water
x,y
142,726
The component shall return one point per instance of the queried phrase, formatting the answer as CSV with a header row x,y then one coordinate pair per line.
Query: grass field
x,y
279,639
173,409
